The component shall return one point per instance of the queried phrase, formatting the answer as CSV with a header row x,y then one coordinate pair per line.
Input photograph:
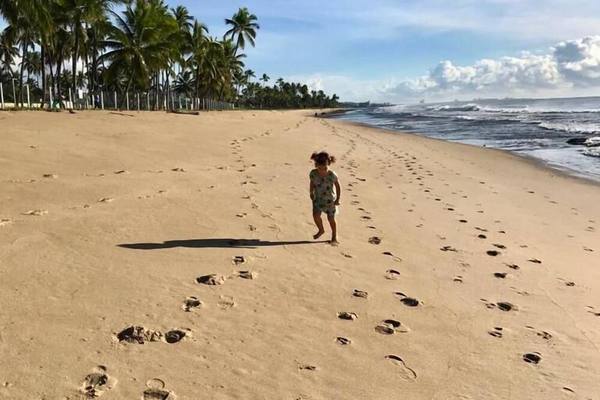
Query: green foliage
x,y
145,47
284,95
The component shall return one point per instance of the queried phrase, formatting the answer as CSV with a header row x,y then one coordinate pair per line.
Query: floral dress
x,y
324,192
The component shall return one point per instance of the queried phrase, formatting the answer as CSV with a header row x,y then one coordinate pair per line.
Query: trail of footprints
x,y
417,174
99,381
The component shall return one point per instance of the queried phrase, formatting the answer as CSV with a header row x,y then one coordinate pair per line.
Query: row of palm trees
x,y
283,95
60,47
85,44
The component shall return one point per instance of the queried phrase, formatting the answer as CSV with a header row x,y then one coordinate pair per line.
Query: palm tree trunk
x,y
25,49
43,57
74,62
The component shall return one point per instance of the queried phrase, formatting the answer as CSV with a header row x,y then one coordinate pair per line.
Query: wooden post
x,y
102,100
1,96
14,94
116,102
51,98
28,97
180,102
71,99
147,101
127,100
138,99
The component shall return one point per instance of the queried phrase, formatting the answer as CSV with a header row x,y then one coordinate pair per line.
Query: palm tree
x,y
265,78
8,52
140,43
243,28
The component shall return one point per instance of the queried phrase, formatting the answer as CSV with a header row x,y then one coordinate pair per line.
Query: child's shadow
x,y
214,243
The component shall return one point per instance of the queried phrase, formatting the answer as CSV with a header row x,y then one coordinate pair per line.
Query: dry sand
x,y
107,221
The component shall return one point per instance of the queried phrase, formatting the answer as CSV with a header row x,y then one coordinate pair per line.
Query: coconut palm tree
x,y
243,28
8,52
265,78
140,43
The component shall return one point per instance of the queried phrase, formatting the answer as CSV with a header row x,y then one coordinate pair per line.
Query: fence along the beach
x,y
109,100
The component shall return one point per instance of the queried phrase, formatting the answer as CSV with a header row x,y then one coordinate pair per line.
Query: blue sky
x,y
398,50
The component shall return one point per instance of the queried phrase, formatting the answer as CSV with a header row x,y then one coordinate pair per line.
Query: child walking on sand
x,y
324,198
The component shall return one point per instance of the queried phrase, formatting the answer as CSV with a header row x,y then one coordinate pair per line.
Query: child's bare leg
x,y
333,225
319,223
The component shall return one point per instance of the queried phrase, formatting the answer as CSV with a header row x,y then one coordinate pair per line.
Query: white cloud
x,y
579,60
571,67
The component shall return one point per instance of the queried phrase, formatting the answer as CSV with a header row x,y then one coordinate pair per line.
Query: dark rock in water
x,y
578,141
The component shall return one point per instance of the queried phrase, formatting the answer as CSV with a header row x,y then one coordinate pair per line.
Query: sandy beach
x,y
462,272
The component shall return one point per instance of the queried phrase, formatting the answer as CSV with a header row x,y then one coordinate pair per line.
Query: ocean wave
x,y
449,108
593,141
398,108
465,118
570,127
593,152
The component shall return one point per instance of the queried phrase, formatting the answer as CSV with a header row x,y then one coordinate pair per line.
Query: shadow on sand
x,y
214,243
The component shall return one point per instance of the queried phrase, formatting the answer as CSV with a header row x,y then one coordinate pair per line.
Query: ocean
x,y
537,128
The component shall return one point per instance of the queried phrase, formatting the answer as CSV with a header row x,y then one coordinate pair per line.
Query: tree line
x,y
62,46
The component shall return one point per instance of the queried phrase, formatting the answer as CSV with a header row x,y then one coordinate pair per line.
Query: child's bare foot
x,y
334,242
318,234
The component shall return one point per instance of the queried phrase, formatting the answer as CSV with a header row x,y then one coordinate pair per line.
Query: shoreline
x,y
534,161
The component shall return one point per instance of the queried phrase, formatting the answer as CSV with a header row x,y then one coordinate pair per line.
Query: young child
x,y
324,198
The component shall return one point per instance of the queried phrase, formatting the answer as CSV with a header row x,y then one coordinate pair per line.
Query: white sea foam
x,y
593,141
573,127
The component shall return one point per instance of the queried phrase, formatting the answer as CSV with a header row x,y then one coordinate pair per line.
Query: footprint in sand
x,y
532,358
50,176
500,275
97,382
5,221
390,326
178,170
247,274
139,335
105,200
448,248
212,279
406,300
156,391
482,236
458,279
226,302
492,253
503,306
348,316
534,260
36,213
374,240
405,371
343,341
238,260
392,274
496,332
498,245
190,303
360,293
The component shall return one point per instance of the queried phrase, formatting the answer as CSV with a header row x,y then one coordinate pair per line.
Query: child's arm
x,y
338,192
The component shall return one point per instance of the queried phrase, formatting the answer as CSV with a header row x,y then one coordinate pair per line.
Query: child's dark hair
x,y
322,158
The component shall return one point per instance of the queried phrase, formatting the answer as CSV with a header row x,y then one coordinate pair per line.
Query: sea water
x,y
538,128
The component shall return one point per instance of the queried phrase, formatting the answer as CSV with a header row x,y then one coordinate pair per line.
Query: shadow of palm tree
x,y
214,243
